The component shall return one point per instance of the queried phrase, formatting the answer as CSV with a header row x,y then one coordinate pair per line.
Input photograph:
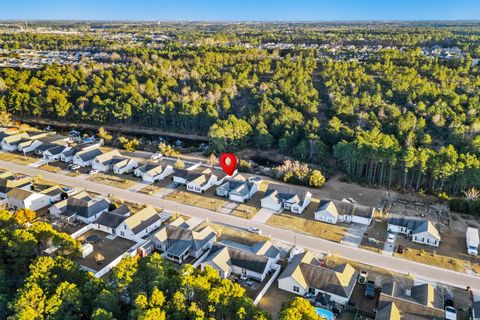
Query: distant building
x,y
85,158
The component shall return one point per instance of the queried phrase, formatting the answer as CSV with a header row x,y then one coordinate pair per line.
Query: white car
x,y
92,172
74,167
255,230
156,156
391,238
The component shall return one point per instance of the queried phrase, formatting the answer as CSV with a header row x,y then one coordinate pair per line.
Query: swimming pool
x,y
328,315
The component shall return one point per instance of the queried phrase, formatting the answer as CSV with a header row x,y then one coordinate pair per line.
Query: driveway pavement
x,y
262,215
395,264
389,247
353,236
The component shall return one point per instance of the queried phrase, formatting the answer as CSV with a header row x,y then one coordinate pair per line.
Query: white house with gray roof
x,y
85,158
238,189
152,172
105,161
305,274
278,198
81,206
195,180
333,211
419,230
254,261
127,165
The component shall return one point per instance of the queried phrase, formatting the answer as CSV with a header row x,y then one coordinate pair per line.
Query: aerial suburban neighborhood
x,y
195,164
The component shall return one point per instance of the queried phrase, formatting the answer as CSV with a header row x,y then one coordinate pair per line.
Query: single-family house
x,y
54,153
9,181
11,142
421,301
254,261
178,241
36,141
238,189
151,172
68,154
305,274
140,224
28,199
85,158
195,180
333,211
419,230
278,198
81,206
126,165
104,162
110,220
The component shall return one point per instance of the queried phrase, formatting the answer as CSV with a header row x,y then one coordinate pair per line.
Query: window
x,y
296,289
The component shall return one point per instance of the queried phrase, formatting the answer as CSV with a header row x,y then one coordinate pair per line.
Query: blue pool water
x,y
325,313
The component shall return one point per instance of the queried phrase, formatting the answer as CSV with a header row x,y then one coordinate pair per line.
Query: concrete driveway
x,y
262,215
389,247
353,236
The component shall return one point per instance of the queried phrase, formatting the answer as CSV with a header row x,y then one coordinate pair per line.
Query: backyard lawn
x,y
17,158
197,200
113,181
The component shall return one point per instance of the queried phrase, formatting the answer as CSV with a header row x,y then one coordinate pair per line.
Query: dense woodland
x,y
34,285
393,116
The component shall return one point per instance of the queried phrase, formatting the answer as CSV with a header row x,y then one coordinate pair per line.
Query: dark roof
x,y
70,152
188,175
110,220
409,223
348,208
123,210
46,146
56,150
90,154
85,206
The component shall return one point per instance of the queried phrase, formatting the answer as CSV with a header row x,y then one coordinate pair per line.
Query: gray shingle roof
x,y
90,154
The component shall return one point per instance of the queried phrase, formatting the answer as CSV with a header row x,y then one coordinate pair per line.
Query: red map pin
x,y
228,162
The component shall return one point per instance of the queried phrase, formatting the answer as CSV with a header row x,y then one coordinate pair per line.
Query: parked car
x,y
92,172
73,166
244,278
370,290
391,238
363,277
255,230
156,156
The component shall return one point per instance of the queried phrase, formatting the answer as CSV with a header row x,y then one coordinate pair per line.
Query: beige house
x,y
305,274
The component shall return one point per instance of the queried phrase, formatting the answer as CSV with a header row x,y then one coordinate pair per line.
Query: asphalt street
x,y
395,264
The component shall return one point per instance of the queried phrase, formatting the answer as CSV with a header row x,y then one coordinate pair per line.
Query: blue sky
x,y
259,10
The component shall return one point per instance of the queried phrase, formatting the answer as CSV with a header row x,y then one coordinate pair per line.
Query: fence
x,y
269,283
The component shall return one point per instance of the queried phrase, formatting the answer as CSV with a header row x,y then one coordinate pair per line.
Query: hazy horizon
x,y
243,11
